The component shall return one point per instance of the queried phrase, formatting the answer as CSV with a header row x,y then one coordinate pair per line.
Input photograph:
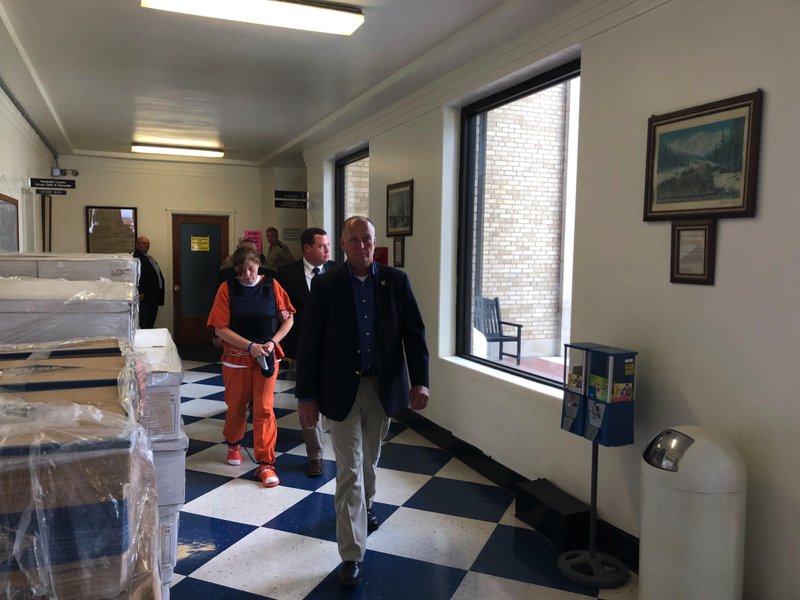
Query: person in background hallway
x,y
151,284
362,329
296,280
278,253
228,271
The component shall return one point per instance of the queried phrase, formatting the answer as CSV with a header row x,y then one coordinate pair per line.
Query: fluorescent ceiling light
x,y
177,150
309,16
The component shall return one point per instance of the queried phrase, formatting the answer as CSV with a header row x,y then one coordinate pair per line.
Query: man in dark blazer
x,y
296,278
362,340
151,284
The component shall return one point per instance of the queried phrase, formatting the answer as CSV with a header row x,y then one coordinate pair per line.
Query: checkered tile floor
x,y
446,531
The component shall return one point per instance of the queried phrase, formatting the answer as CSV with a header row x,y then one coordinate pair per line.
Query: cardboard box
x,y
45,310
163,376
77,267
74,486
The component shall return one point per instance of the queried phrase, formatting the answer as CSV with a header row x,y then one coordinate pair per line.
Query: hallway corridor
x,y
446,532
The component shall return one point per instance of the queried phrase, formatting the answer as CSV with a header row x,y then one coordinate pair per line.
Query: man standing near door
x,y
362,340
296,278
277,252
151,284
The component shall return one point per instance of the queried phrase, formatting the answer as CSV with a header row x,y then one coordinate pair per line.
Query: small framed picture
x,y
702,162
693,251
400,208
399,251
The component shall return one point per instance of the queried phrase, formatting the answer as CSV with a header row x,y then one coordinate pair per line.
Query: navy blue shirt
x,y
364,296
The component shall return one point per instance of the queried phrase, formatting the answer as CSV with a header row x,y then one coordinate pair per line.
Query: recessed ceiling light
x,y
177,150
323,17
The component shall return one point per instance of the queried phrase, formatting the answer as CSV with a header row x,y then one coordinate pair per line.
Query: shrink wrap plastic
x,y
45,310
78,503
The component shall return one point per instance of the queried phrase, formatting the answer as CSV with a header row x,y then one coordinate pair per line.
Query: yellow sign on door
x,y
201,243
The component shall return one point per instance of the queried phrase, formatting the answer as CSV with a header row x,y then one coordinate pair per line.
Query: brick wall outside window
x,y
356,188
523,211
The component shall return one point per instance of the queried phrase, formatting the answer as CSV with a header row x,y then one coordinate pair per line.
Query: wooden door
x,y
199,245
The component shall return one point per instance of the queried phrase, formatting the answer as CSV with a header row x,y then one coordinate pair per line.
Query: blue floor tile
x,y
199,483
416,459
313,516
525,555
292,471
201,538
388,577
462,499
196,446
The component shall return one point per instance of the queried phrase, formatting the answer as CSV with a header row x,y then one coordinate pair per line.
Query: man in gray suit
x,y
362,340
296,279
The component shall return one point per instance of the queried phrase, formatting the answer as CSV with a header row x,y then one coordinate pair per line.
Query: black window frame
x,y
339,183
466,225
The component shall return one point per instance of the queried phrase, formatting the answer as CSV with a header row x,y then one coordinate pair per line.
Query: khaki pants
x,y
357,447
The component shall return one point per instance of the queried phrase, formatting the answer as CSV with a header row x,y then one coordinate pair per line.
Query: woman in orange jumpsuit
x,y
251,315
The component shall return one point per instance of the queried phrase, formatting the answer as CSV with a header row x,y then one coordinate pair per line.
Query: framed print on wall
x,y
702,162
9,224
693,252
110,229
400,208
398,252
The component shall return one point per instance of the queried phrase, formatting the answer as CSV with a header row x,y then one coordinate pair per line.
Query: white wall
x,y
158,190
720,357
22,155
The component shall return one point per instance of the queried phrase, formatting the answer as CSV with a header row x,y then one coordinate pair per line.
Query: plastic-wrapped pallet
x,y
77,267
78,510
44,310
163,375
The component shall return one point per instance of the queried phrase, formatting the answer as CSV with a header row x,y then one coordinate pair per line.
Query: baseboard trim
x,y
610,539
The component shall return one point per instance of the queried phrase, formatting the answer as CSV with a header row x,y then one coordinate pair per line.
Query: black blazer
x,y
151,282
328,361
292,278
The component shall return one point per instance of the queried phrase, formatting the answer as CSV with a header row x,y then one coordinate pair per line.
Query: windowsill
x,y
512,382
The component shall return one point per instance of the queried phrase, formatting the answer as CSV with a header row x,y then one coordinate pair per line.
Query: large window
x,y
352,190
516,220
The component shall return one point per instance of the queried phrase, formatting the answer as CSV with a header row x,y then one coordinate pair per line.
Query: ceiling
x,y
94,75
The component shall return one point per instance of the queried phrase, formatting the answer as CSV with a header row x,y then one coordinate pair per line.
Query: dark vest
x,y
253,310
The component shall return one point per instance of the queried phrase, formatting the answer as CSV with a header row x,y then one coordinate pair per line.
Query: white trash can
x,y
693,494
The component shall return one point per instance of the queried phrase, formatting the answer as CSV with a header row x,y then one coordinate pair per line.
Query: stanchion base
x,y
592,569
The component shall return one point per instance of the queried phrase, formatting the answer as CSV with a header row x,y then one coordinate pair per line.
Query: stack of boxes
x,y
160,415
92,448
78,503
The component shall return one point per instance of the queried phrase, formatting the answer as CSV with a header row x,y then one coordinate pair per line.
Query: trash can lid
x,y
694,459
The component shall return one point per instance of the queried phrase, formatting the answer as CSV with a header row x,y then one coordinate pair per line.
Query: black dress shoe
x,y
350,573
372,521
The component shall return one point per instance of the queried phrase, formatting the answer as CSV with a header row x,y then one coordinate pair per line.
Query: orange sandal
x,y
266,473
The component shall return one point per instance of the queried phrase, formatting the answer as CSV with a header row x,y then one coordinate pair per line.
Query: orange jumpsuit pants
x,y
242,384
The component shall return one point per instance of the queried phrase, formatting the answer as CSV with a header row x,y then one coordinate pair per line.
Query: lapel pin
x,y
383,282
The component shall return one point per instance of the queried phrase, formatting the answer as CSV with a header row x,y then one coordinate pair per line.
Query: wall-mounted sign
x,y
52,192
201,243
284,199
56,184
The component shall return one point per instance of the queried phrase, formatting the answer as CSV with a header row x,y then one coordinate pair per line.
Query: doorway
x,y
199,245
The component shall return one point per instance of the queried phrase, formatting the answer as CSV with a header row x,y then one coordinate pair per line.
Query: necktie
x,y
314,272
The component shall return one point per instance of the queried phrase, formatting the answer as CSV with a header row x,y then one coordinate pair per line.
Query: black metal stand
x,y
588,567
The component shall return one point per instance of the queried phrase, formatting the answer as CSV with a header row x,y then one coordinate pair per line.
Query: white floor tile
x,y
202,408
175,579
433,537
212,460
509,519
273,563
198,390
477,586
396,487
206,430
629,591
245,501
195,376
412,438
455,469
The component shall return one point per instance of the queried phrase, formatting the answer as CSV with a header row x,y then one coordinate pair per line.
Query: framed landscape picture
x,y
702,162
400,208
